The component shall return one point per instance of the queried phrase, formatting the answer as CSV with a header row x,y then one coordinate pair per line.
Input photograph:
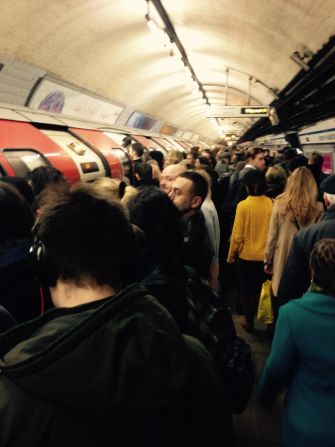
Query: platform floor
x,y
257,426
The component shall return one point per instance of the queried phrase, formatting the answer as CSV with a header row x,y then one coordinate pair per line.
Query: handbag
x,y
265,309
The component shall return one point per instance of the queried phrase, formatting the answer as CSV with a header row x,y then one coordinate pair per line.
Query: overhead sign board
x,y
239,112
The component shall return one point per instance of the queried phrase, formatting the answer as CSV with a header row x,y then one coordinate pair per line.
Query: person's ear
x,y
196,202
325,199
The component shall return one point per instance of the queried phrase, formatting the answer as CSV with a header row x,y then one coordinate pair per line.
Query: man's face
x,y
181,194
258,161
168,176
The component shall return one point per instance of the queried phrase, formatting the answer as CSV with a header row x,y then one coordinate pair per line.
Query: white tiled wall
x,y
16,80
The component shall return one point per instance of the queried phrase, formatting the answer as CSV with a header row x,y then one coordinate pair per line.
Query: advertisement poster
x,y
56,98
140,121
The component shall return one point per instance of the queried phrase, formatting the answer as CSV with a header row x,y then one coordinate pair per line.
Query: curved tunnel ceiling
x,y
106,47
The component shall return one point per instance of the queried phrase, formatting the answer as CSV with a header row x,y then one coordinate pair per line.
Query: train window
x,y
23,161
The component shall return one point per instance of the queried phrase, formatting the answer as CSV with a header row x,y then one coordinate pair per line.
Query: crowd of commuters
x,y
93,303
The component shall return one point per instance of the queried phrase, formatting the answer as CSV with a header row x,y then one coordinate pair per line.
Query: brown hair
x,y
322,264
87,236
251,152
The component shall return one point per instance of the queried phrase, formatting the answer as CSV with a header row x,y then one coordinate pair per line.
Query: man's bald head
x,y
168,176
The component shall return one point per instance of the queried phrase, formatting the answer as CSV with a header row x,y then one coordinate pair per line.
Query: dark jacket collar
x,y
329,213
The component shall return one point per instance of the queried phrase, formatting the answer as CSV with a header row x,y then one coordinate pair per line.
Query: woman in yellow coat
x,y
248,242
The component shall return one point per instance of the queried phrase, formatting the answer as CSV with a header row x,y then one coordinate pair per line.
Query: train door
x,y
127,163
89,164
98,141
149,144
175,144
23,147
165,144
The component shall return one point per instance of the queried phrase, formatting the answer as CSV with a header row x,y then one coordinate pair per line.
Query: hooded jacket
x,y
111,372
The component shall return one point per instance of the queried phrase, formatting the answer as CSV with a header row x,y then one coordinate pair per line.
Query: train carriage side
x,y
320,138
23,148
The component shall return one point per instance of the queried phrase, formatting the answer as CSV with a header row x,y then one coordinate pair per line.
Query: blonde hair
x,y
173,157
116,189
299,200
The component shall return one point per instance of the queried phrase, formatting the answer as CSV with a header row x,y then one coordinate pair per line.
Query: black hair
x,y
255,181
43,176
126,141
297,162
159,157
17,218
316,159
22,186
138,148
290,153
205,161
199,183
144,171
87,236
154,212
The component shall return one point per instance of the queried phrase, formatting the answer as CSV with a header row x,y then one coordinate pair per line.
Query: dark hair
x,y
159,157
87,236
199,183
194,154
205,161
22,186
154,212
322,264
253,151
43,176
138,148
290,152
126,141
316,159
144,171
255,181
16,216
297,162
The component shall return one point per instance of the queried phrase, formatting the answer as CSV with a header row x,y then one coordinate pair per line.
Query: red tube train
x,y
79,149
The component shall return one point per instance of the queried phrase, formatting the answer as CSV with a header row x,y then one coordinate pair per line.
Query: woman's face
x,y
197,164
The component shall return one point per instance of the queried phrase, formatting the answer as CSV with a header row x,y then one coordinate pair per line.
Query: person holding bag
x,y
248,242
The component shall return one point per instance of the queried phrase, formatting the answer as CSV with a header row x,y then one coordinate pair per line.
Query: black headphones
x,y
42,265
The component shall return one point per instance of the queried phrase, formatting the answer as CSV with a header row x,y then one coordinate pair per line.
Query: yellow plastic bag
x,y
265,310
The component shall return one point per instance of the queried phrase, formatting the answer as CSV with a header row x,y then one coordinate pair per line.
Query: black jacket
x,y
296,277
197,249
113,372
19,291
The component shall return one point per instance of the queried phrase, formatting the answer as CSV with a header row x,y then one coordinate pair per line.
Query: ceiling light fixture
x,y
176,48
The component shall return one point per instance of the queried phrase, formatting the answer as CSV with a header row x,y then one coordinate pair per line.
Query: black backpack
x,y
210,321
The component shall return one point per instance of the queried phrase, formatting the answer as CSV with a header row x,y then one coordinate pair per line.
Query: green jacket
x,y
302,359
115,372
